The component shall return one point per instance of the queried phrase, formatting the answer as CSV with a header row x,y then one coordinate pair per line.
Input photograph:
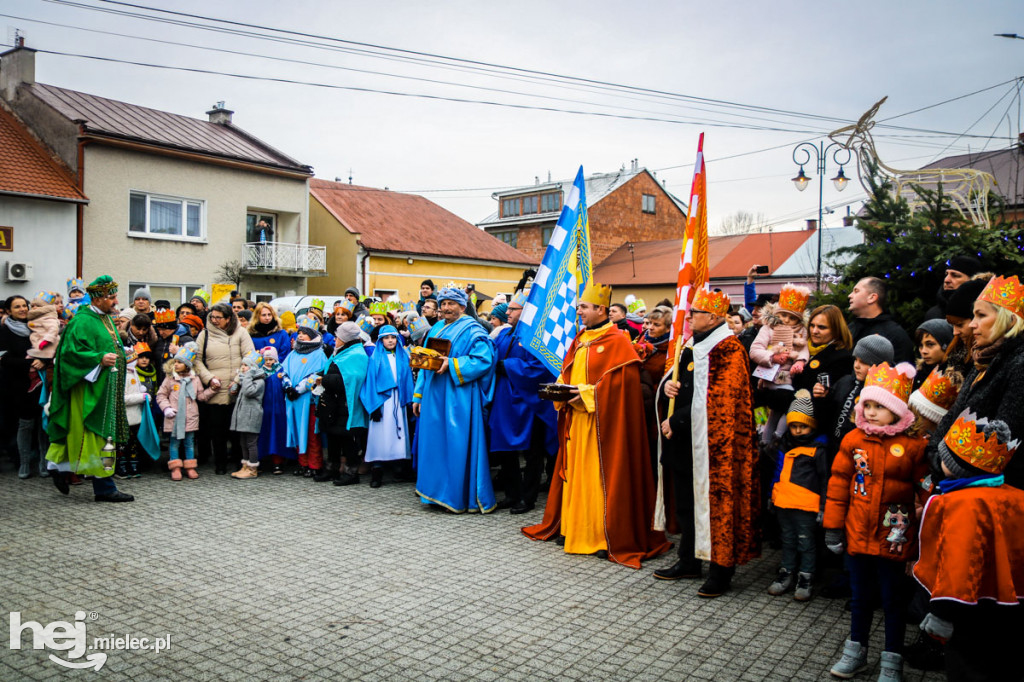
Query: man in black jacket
x,y
867,303
959,269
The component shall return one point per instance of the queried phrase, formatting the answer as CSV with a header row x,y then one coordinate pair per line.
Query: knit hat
x,y
940,330
387,330
186,355
961,301
143,292
161,303
347,331
801,410
975,447
499,298
309,324
500,311
873,350
253,359
936,395
889,387
288,321
353,291
244,315
429,283
269,352
744,314
193,321
965,264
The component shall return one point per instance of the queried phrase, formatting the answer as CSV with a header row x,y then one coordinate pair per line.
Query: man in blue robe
x,y
520,421
452,465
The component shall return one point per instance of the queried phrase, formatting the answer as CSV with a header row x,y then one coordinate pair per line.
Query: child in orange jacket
x,y
869,512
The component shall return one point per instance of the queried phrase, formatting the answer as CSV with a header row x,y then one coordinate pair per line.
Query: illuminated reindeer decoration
x,y
966,188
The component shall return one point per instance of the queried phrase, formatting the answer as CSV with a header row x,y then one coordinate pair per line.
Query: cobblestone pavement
x,y
281,578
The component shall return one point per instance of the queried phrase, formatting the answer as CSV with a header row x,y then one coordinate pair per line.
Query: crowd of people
x,y
884,478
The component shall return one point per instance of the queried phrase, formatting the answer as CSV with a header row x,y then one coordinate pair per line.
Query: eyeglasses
x,y
215,318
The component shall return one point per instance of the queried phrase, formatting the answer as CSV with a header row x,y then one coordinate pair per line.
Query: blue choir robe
x,y
516,409
273,438
452,464
299,368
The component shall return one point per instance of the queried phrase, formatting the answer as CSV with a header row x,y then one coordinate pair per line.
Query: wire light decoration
x,y
966,188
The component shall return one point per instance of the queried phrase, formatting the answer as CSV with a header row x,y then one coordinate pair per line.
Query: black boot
x,y
376,477
349,477
60,480
718,583
679,570
323,474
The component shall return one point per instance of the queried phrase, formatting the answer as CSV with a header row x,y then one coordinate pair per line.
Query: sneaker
x,y
891,669
854,660
803,587
783,583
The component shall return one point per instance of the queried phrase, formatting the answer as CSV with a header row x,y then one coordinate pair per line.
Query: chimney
x,y
536,180
812,224
848,220
17,66
220,114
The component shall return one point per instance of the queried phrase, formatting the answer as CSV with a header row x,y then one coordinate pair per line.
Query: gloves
x,y
835,540
376,415
170,412
291,393
936,627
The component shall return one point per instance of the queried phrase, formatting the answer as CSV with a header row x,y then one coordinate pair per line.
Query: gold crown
x,y
890,380
715,302
965,440
597,294
378,308
793,299
164,317
317,303
939,390
1005,292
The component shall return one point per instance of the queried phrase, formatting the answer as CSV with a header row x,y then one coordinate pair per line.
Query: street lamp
x,y
820,157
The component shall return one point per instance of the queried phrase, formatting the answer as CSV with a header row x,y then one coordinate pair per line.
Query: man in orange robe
x,y
602,493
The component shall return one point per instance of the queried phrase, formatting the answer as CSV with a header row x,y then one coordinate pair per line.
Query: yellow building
x,y
386,243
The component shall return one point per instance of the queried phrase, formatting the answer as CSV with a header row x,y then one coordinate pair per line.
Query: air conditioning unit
x,y
18,272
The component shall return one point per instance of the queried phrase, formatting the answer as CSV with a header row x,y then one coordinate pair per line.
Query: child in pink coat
x,y
178,397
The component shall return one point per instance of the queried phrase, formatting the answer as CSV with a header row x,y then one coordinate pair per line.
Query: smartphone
x,y
823,379
762,270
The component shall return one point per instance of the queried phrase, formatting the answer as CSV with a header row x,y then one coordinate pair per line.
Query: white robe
x,y
387,440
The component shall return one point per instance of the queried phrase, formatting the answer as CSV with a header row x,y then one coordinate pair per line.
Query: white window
x,y
155,215
648,203
385,294
176,294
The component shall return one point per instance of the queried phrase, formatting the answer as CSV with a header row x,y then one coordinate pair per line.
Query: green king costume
x,y
87,409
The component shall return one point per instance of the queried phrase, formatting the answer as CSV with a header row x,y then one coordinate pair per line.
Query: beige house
x,y
172,198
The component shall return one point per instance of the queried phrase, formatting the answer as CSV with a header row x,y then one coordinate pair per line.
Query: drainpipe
x,y
80,210
362,275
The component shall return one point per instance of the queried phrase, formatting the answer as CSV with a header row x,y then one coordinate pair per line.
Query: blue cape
x,y
379,380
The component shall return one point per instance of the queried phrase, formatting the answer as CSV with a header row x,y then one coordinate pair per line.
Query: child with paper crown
x,y
972,553
136,392
878,475
179,397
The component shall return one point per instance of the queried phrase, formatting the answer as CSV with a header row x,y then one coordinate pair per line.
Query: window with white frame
x,y
647,203
156,215
176,294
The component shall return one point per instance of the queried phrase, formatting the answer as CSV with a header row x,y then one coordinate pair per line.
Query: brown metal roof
x,y
108,117
1005,165
407,223
27,169
657,262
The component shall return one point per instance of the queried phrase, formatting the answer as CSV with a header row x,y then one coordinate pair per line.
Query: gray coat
x,y
247,416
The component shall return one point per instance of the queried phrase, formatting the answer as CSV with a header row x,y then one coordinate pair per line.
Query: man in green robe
x,y
87,411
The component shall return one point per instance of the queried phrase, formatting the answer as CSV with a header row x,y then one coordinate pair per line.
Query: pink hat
x,y
269,351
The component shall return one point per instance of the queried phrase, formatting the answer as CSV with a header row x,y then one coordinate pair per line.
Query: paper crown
x,y
418,326
307,322
164,317
71,307
48,296
793,298
407,306
890,380
715,302
253,359
637,305
142,347
102,286
936,395
519,300
597,294
203,295
1005,292
76,284
186,354
378,308
365,323
345,304
317,304
966,439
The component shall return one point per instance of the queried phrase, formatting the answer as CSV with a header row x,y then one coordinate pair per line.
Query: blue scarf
x,y
380,381
984,481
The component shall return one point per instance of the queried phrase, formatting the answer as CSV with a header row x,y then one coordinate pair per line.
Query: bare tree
x,y
231,271
742,222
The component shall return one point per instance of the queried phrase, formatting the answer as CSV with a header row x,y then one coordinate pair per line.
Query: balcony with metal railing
x,y
284,259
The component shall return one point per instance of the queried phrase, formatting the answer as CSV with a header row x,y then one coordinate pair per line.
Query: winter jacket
x,y
167,397
247,416
278,338
996,393
835,363
134,396
762,349
801,477
884,325
871,493
45,332
843,398
221,356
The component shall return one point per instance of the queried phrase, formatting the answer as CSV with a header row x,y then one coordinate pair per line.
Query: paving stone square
x,y
281,578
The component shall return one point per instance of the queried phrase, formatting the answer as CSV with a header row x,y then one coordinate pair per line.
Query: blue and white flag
x,y
547,324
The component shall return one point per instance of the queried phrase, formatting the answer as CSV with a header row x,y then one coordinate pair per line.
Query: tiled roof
x,y
27,169
112,118
598,186
408,223
657,262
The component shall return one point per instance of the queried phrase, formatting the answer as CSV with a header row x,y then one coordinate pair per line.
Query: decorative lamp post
x,y
819,153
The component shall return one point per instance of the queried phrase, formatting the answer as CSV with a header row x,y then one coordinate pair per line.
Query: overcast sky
x,y
822,58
